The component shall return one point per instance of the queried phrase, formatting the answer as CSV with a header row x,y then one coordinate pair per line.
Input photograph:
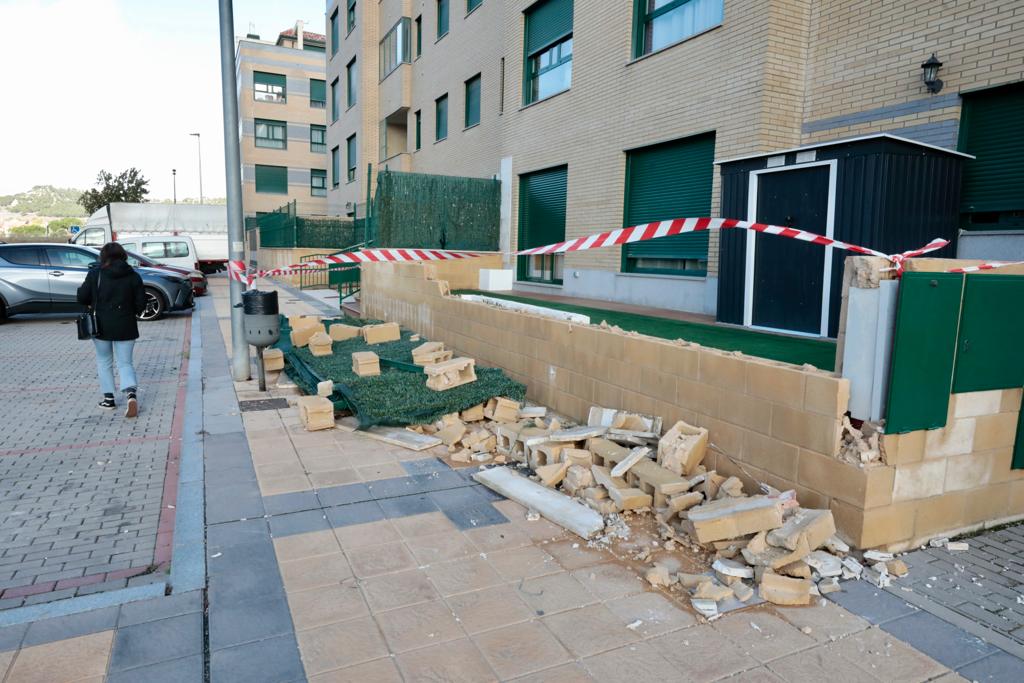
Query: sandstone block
x,y
430,353
603,476
732,517
325,388
578,477
273,359
552,475
301,336
782,590
320,344
474,414
630,499
340,332
578,456
682,448
316,412
450,374
384,332
816,525
452,434
685,501
635,456
505,410
365,364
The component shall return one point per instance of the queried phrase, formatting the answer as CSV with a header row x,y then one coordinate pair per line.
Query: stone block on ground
x,y
316,412
450,374
430,353
817,525
630,499
365,363
341,332
732,517
782,590
504,410
302,335
325,388
273,360
320,344
384,332
682,448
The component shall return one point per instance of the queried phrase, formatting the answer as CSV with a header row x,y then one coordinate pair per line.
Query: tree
x,y
62,225
30,230
127,186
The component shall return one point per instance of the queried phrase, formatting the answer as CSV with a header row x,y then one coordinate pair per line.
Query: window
x,y
992,194
419,124
335,101
317,93
317,138
394,49
67,257
418,21
441,118
473,101
660,23
165,249
93,237
350,15
317,182
21,256
669,180
351,82
335,166
268,87
334,33
548,68
270,179
442,18
272,134
350,150
542,197
472,5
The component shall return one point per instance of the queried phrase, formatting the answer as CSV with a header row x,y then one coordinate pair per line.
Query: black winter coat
x,y
119,298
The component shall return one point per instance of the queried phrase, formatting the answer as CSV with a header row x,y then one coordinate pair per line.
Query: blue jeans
x,y
106,353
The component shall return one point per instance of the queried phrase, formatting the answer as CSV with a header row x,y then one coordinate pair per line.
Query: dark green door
x,y
670,180
542,221
788,274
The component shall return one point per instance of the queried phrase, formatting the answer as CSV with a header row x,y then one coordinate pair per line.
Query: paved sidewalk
x,y
83,502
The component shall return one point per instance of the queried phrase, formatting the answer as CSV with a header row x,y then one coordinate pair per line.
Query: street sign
x,y
75,228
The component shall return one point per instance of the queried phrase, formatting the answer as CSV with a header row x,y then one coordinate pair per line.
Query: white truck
x,y
206,224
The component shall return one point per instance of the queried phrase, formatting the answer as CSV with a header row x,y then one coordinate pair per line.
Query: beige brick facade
x,y
774,74
298,67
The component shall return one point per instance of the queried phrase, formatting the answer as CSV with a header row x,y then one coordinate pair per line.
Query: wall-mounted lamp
x,y
930,74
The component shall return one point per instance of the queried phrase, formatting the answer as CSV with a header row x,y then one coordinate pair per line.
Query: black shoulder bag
x,y
88,325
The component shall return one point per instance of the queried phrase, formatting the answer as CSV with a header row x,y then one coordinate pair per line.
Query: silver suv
x,y
44,278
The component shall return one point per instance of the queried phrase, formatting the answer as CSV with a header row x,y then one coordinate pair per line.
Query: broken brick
x,y
817,525
782,590
682,448
732,517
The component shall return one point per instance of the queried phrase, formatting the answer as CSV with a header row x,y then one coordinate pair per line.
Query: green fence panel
x,y
435,212
283,229
924,345
991,329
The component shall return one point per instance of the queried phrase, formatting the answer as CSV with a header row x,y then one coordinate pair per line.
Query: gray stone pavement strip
x,y
80,488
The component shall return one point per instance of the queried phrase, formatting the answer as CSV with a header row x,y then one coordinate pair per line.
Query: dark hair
x,y
112,251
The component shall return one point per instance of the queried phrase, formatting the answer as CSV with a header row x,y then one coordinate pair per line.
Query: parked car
x,y
199,284
171,250
44,278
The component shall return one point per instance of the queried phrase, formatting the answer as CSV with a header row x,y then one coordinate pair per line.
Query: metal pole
x,y
199,154
233,185
174,179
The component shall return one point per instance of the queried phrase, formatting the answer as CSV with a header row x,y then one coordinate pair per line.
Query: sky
x,y
110,84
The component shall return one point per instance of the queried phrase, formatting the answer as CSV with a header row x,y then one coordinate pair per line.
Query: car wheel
x,y
155,306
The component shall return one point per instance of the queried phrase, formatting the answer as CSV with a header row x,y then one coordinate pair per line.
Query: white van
x,y
174,250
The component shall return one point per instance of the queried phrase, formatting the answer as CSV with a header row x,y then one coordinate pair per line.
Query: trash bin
x,y
262,325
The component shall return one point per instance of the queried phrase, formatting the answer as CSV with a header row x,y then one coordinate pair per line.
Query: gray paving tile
x,y
465,496
234,501
425,466
275,659
473,516
157,641
356,513
298,523
938,639
405,506
11,637
870,602
71,626
284,503
395,487
243,532
998,666
344,495
245,622
160,608
183,670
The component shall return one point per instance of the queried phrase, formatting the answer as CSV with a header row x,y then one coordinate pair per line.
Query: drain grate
x,y
263,404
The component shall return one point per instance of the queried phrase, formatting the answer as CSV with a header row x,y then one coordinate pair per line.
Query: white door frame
x,y
826,286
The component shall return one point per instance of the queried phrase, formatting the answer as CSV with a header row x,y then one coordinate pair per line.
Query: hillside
x,y
43,200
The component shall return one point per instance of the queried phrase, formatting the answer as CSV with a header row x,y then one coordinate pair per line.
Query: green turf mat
x,y
396,396
821,353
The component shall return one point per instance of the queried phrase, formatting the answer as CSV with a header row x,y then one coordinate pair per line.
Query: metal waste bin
x,y
262,325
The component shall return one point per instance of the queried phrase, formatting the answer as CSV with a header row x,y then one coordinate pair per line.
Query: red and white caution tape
x,y
679,226
238,271
985,266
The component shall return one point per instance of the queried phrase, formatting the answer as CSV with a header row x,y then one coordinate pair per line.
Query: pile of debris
x,y
474,435
762,543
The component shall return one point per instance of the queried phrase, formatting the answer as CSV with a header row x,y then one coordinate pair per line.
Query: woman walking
x,y
114,291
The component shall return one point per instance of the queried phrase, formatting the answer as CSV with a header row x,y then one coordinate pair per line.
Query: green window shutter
x,y
350,151
472,5
334,33
419,137
990,129
335,166
546,22
473,101
264,78
272,179
671,180
442,17
317,90
542,207
335,100
350,82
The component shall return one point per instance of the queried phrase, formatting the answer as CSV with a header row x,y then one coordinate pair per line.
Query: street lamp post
x,y
174,180
199,152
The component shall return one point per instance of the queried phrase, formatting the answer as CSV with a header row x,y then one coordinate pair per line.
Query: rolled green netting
x,y
397,396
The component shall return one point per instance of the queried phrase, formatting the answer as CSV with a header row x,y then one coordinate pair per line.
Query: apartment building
x,y
599,115
282,109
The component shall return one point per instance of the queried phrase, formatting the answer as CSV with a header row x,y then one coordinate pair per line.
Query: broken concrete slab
x,y
709,590
570,435
782,590
474,414
603,476
504,410
556,507
630,499
825,563
384,332
733,568
732,517
635,456
685,501
682,448
816,525
552,475
578,456
452,434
